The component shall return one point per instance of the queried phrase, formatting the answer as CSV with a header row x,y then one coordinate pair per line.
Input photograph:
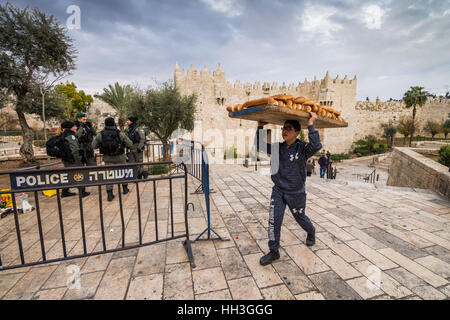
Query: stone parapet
x,y
411,169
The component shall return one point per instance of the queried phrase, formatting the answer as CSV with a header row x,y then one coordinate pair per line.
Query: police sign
x,y
70,178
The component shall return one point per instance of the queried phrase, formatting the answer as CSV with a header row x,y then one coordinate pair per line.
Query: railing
x,y
331,171
81,177
371,178
194,154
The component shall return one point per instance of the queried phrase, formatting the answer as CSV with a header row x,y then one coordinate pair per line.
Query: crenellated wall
x,y
215,93
364,118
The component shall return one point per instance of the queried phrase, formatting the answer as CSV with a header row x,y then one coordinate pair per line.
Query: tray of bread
x,y
278,109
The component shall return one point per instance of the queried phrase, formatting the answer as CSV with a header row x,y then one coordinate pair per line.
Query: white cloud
x,y
317,23
372,16
228,7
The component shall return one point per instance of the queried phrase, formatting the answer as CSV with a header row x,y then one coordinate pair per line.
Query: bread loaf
x,y
289,104
315,108
299,100
283,97
309,103
258,102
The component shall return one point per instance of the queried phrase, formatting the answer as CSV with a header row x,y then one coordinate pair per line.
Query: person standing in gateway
x,y
288,169
112,143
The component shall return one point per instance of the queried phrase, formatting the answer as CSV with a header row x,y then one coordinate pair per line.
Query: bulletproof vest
x,y
87,135
133,134
67,155
111,144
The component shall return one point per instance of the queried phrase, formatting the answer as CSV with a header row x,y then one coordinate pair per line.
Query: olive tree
x,y
32,45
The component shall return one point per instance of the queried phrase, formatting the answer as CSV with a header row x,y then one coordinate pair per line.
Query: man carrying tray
x,y
288,169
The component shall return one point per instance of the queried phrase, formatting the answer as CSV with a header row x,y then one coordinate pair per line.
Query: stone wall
x,y
364,118
370,115
411,169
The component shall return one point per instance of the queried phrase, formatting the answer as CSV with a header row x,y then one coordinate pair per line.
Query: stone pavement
x,y
372,243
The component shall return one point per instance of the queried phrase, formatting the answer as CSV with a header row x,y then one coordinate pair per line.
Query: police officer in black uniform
x,y
136,153
71,155
85,134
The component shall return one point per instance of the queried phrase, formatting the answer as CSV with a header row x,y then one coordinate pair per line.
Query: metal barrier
x,y
371,178
198,167
79,177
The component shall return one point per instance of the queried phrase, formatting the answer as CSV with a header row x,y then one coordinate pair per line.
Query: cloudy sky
x,y
389,45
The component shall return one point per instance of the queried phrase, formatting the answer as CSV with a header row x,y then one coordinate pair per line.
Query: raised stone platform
x,y
373,242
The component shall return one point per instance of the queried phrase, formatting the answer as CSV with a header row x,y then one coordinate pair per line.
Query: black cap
x,y
133,119
110,122
295,124
67,124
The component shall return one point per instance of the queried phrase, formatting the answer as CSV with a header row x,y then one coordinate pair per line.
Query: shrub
x,y
361,151
158,169
11,133
339,157
444,155
231,153
39,143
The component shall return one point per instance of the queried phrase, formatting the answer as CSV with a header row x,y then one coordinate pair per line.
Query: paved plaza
x,y
372,243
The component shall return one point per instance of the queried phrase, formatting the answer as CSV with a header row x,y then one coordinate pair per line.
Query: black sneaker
x,y
67,193
85,194
125,189
269,258
110,195
311,239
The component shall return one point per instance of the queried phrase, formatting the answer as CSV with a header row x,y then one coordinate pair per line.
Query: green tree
x,y
404,127
389,131
163,110
413,98
75,101
32,45
432,127
368,143
444,155
117,96
446,128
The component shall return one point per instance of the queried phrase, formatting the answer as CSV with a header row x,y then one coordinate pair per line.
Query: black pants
x,y
296,202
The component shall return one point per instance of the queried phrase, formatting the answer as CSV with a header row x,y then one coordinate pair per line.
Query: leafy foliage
x,y
74,101
163,110
444,155
432,127
368,143
117,96
389,131
32,46
413,98
446,128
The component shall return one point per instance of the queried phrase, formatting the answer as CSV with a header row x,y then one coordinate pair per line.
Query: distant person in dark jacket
x,y
323,163
288,169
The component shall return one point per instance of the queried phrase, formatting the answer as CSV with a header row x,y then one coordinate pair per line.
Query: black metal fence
x,y
80,177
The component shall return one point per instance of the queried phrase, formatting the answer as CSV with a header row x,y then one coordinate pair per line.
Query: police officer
x,y
71,156
136,153
112,143
85,134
